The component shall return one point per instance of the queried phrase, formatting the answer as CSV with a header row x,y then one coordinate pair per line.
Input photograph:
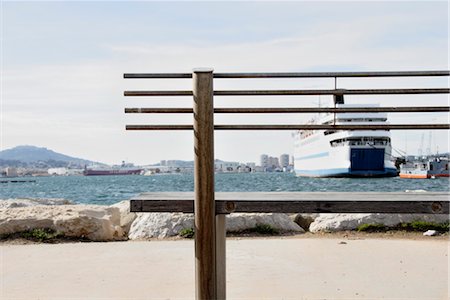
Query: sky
x,y
62,66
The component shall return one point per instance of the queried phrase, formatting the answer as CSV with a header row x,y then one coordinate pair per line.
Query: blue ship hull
x,y
363,163
386,172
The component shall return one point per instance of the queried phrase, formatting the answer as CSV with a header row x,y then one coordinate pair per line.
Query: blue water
x,y
111,189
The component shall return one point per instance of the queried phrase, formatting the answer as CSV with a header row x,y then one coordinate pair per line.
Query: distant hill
x,y
31,155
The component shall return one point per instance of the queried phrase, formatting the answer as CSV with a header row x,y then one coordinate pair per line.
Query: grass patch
x,y
265,229
415,226
371,228
187,233
424,226
41,235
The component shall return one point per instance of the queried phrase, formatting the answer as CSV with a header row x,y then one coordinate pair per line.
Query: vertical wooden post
x,y
204,206
221,234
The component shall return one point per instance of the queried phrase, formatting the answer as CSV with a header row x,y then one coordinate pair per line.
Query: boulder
x,y
243,221
162,225
159,225
304,220
126,217
340,222
94,222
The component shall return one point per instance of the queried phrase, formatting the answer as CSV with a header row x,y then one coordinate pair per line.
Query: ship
x,y
345,153
426,167
123,169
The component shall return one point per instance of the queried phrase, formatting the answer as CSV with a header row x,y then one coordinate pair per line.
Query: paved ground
x,y
276,268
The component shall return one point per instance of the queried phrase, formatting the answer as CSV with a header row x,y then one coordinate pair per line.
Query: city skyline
x,y
30,156
62,65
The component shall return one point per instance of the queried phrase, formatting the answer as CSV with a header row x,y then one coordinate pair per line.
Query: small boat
x,y
431,167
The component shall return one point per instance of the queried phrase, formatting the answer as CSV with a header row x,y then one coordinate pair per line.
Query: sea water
x,y
107,190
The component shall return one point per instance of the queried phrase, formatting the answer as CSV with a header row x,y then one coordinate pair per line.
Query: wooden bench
x,y
210,208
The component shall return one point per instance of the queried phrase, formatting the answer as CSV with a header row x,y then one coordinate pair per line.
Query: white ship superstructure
x,y
345,153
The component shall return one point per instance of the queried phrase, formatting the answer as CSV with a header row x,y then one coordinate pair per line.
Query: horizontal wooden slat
x,y
157,75
299,202
337,127
294,74
157,93
294,92
296,127
331,92
332,74
264,110
159,127
159,110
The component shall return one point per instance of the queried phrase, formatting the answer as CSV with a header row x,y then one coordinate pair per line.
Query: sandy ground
x,y
257,268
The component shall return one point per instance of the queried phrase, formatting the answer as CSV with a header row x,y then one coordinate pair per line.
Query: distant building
x,y
252,166
57,171
258,169
273,162
11,172
264,161
284,160
243,168
226,166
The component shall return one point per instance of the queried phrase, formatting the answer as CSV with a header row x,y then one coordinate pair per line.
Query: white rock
x,y
241,221
339,222
95,222
126,217
162,225
430,233
159,225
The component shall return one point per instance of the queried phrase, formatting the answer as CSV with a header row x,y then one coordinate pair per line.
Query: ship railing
x,y
209,208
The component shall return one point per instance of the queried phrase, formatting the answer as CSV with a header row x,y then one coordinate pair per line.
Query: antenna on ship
x,y
429,143
320,105
420,150
406,143
338,97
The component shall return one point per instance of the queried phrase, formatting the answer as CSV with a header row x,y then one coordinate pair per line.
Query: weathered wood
x,y
157,75
300,202
333,74
336,127
265,110
221,278
294,74
204,205
159,127
156,93
295,92
297,127
331,92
